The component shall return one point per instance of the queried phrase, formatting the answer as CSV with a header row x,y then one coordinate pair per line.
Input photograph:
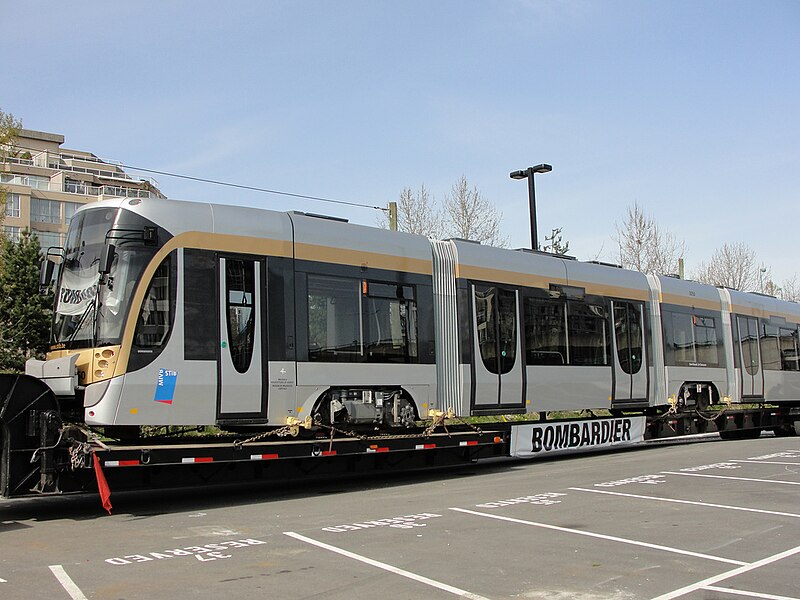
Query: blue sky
x,y
689,108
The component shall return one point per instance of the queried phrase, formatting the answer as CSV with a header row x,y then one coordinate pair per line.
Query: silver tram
x,y
180,313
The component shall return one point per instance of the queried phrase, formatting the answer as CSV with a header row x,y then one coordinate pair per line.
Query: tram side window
x,y
691,339
335,320
705,338
545,332
790,356
682,338
391,323
155,316
588,335
770,348
199,305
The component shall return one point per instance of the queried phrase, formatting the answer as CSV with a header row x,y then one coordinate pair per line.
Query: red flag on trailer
x,y
102,484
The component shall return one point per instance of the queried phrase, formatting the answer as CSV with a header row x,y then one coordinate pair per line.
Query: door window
x,y
748,339
628,330
240,288
486,318
507,325
496,317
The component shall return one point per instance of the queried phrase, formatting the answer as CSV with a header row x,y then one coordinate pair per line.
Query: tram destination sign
x,y
564,437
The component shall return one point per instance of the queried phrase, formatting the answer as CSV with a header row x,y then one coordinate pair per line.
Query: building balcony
x,y
113,191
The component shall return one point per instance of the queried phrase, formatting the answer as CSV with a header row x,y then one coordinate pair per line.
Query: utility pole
x,y
393,216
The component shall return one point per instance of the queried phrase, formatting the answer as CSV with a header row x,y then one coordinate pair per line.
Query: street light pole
x,y
529,173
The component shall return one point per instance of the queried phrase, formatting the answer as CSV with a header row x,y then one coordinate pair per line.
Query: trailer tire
x,y
741,434
784,431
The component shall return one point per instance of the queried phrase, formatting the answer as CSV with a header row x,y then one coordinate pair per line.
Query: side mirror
x,y
45,274
106,260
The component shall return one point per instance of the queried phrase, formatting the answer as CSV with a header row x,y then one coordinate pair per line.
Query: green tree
x,y
24,313
9,130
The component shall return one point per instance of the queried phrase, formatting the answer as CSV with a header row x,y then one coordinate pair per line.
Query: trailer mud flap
x,y
28,414
546,439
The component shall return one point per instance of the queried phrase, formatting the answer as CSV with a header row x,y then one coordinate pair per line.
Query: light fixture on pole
x,y
529,173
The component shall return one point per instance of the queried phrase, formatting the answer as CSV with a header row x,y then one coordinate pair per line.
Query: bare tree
x,y
734,266
471,216
466,214
554,243
646,247
416,213
790,290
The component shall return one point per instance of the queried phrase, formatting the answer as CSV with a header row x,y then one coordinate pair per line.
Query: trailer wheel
x,y
740,434
784,431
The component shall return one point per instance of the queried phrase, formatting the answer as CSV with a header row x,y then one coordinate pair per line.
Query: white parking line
x,y
693,502
66,582
601,536
766,462
727,575
397,571
714,588
735,478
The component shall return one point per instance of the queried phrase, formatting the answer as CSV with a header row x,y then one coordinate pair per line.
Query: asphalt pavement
x,y
701,520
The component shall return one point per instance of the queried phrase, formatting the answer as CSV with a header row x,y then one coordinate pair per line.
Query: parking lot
x,y
692,520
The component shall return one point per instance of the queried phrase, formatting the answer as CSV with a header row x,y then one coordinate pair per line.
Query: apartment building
x,y
45,184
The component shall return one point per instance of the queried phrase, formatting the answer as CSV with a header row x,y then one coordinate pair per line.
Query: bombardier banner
x,y
547,439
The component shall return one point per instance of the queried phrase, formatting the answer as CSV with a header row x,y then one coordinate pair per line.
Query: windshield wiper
x,y
90,308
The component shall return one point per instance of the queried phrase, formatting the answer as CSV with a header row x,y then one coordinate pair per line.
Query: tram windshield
x,y
88,313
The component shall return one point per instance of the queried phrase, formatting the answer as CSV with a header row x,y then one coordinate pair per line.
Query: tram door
x,y
747,346
497,360
242,393
630,366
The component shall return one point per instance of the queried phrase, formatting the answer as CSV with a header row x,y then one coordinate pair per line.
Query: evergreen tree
x,y
24,313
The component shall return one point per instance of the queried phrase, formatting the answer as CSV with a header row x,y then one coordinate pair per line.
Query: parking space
x,y
701,520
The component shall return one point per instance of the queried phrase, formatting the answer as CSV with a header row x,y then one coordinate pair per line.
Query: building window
x,y
38,183
45,211
34,181
12,205
48,239
69,210
11,233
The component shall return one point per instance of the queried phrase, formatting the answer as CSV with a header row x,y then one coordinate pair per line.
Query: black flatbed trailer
x,y
42,455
